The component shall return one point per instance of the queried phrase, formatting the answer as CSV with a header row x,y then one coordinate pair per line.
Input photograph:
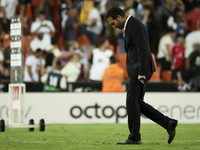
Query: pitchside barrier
x,y
95,87
77,108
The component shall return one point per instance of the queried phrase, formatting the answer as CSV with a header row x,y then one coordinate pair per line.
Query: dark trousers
x,y
5,27
165,65
135,106
92,37
187,74
83,30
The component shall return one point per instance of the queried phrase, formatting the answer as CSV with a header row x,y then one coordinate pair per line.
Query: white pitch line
x,y
36,141
32,141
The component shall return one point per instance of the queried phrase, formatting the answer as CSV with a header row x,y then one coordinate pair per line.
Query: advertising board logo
x,y
106,112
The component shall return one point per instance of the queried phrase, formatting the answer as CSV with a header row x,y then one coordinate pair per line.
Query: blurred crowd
x,y
70,40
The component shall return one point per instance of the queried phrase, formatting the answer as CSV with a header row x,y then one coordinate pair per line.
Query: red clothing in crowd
x,y
81,75
192,17
178,56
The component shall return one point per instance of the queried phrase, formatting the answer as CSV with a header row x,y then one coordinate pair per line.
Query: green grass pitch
x,y
98,136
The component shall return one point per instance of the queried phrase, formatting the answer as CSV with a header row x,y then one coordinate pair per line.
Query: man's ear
x,y
119,17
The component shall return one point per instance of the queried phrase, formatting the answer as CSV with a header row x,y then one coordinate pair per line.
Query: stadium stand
x,y
156,27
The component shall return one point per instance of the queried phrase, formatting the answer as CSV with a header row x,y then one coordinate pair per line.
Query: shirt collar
x,y
126,22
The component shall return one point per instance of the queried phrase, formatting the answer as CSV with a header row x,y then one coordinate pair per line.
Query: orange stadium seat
x,y
156,74
53,3
28,11
83,40
167,76
35,3
122,64
6,41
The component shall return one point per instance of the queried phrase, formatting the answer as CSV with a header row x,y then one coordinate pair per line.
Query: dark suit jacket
x,y
139,59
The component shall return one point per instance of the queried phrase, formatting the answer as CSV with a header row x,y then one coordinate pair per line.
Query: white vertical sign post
x,y
17,88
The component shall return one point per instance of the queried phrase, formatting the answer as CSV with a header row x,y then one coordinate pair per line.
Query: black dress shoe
x,y
171,129
127,142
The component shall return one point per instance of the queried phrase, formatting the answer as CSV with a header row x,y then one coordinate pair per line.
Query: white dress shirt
x,y
126,24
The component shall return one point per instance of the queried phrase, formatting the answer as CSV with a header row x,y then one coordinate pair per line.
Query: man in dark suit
x,y
140,68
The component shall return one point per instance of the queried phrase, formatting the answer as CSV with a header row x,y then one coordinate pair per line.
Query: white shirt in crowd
x,y
35,44
1,56
34,63
162,50
71,71
10,7
95,14
64,15
192,42
101,60
63,83
171,22
46,41
103,6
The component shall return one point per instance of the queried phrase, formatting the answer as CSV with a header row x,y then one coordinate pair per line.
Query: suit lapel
x,y
126,33
125,40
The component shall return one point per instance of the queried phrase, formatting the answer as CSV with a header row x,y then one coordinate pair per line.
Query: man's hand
x,y
94,21
48,26
41,25
173,66
145,12
141,78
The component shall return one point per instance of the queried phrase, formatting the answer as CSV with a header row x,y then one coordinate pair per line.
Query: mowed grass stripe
x,y
98,136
